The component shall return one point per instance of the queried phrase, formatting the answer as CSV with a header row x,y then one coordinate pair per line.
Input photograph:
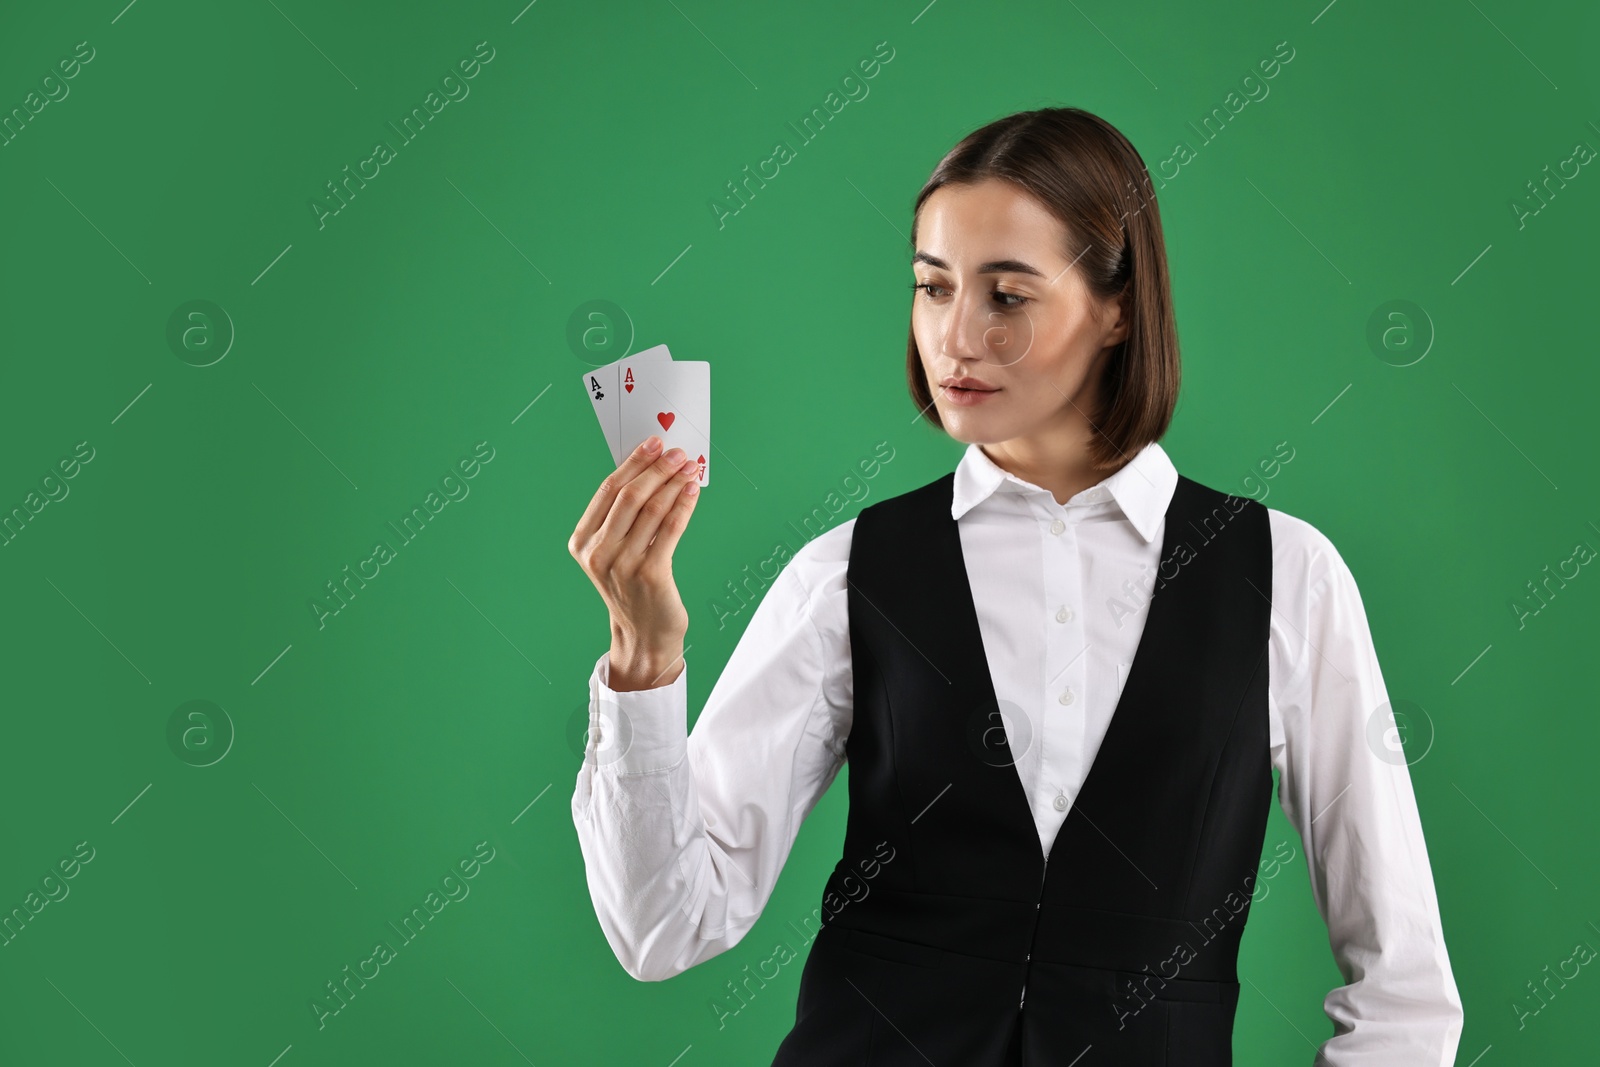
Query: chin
x,y
969,427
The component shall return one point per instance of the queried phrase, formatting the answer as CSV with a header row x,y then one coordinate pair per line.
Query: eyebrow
x,y
998,266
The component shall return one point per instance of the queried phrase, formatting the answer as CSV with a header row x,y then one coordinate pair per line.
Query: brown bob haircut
x,y
1085,173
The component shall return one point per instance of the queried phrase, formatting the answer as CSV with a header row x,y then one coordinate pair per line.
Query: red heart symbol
x,y
628,387
665,418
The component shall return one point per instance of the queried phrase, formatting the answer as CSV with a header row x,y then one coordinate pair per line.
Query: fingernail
x,y
692,488
652,443
675,456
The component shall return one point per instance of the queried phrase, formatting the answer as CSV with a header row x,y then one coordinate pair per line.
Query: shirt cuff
x,y
636,732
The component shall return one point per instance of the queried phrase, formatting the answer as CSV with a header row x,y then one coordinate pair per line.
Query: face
x,y
999,303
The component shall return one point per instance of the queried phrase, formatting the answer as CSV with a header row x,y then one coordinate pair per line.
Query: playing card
x,y
605,395
671,399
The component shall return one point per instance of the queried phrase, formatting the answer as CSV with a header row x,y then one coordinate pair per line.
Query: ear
x,y
1116,314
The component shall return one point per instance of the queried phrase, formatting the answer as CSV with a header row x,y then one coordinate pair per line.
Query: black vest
x,y
943,909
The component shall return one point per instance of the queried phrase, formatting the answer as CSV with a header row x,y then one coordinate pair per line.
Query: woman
x,y
1027,877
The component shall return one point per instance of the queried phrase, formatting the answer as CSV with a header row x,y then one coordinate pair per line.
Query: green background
x,y
442,706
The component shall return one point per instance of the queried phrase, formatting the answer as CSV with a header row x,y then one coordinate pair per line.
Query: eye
x,y
1004,299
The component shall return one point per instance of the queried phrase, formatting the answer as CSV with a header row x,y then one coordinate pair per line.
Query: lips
x,y
967,392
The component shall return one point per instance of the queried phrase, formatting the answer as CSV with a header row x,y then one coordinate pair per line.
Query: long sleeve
x,y
1345,786
684,836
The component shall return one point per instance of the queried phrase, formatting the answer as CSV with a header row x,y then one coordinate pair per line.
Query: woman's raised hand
x,y
624,543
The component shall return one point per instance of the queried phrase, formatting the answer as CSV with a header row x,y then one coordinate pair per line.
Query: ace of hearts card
x,y
671,399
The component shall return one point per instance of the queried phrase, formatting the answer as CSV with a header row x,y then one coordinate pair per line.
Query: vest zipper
x,y
1037,908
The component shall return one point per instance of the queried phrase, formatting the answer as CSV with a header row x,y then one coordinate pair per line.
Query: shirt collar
x,y
1142,488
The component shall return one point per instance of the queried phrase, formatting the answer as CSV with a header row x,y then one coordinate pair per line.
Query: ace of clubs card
x,y
605,392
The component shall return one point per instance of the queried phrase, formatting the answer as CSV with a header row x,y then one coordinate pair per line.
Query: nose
x,y
962,328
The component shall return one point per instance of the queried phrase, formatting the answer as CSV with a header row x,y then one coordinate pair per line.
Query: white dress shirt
x,y
682,853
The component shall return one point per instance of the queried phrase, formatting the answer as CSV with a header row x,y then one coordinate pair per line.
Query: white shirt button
x,y
1063,614
1066,696
1057,526
1060,802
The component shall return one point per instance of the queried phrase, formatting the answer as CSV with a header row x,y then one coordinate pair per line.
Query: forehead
x,y
990,220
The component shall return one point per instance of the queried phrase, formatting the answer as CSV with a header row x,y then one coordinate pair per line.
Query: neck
x,y
1056,462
